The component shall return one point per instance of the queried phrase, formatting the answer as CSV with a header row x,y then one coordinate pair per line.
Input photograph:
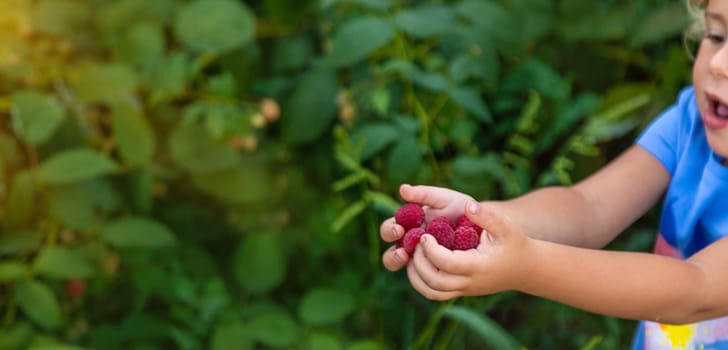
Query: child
x,y
545,243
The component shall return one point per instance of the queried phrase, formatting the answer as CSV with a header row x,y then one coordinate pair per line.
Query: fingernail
x,y
473,208
394,232
398,256
423,239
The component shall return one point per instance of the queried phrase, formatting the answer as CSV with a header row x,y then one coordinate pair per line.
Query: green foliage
x,y
143,155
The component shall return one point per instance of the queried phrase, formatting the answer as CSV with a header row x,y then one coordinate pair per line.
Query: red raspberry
x,y
464,221
444,219
411,239
465,238
75,288
410,215
442,231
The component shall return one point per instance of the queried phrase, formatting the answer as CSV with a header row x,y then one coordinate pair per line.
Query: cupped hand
x,y
499,263
437,201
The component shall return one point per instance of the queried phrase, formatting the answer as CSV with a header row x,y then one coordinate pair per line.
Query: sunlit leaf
x,y
104,82
134,136
215,25
75,165
36,116
62,263
13,271
19,204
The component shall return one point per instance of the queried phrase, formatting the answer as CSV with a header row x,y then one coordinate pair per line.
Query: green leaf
x,y
470,100
72,206
365,344
215,25
488,330
373,137
426,20
134,137
142,43
195,151
311,107
325,306
20,242
249,183
12,271
137,232
39,304
104,83
275,329
351,212
59,17
55,347
167,77
260,264
404,160
668,21
357,38
36,116
323,341
62,263
233,335
20,201
16,335
75,165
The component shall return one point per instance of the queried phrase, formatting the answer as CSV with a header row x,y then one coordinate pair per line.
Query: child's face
x,y
710,76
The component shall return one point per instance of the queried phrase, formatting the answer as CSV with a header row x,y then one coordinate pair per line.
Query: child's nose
x,y
719,63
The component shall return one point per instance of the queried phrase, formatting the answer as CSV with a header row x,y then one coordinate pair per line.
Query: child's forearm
x,y
627,285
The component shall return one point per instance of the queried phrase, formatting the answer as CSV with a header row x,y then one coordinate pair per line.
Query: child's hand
x,y
497,264
437,201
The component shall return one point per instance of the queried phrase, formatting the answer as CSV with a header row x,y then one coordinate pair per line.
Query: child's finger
x,y
420,286
442,258
433,197
395,258
435,278
390,231
495,224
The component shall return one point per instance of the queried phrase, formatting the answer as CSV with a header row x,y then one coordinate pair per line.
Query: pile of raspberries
x,y
461,234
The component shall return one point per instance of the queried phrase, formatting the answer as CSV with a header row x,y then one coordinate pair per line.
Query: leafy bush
x,y
212,173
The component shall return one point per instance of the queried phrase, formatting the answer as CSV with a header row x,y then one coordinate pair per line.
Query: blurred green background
x,y
211,174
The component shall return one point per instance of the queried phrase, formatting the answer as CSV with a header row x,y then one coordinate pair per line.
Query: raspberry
x,y
444,219
410,215
465,237
464,221
442,231
411,239
75,288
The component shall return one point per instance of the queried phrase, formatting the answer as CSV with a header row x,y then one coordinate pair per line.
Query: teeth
x,y
721,110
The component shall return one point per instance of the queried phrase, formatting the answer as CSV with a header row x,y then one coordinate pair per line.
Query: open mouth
x,y
717,113
718,108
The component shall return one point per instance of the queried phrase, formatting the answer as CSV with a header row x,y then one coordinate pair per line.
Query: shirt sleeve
x,y
662,137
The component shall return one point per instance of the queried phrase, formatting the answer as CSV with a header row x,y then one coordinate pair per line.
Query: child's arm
x,y
588,214
621,284
594,211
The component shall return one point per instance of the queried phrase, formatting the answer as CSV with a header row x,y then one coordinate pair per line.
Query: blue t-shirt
x,y
694,213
